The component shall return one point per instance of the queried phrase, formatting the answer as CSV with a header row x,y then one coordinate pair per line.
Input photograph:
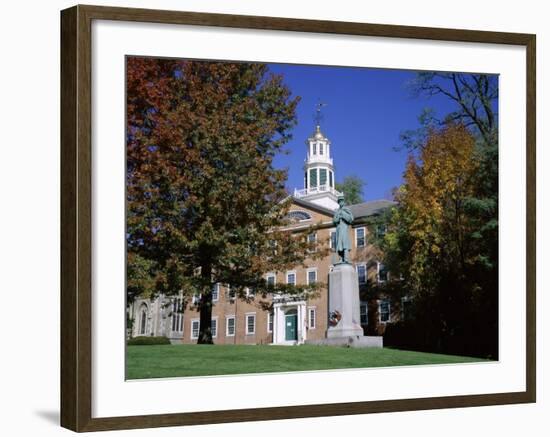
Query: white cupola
x,y
319,172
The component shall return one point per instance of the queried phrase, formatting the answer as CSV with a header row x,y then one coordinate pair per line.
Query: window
x,y
360,237
384,310
177,316
230,292
382,273
270,322
291,278
196,298
312,321
330,180
230,326
314,148
406,308
195,327
143,320
312,239
333,240
320,148
313,178
214,327
322,176
250,324
215,292
270,279
362,273
364,313
312,276
381,230
250,292
298,216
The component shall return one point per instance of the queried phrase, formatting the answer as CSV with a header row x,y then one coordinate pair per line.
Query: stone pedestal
x,y
343,298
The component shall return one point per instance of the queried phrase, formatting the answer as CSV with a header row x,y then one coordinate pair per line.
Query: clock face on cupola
x,y
319,170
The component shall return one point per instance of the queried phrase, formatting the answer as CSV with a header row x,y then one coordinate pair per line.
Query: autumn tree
x,y
352,187
204,203
433,245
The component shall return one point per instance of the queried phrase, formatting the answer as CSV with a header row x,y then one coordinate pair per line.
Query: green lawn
x,y
199,360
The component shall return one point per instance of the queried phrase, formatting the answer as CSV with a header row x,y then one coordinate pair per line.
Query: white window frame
x,y
357,270
177,318
404,300
228,293
331,246
249,293
196,298
364,236
311,270
270,322
309,319
381,281
380,310
247,315
214,322
314,242
193,321
227,318
271,275
291,272
217,289
365,304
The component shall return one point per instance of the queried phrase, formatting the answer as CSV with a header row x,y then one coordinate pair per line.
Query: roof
x,y
370,208
358,210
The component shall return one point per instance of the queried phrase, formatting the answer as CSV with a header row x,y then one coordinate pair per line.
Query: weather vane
x,y
318,115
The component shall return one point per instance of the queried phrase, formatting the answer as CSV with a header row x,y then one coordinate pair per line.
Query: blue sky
x,y
367,110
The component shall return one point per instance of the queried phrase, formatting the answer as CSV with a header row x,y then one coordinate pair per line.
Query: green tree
x,y
352,187
476,98
204,202
433,243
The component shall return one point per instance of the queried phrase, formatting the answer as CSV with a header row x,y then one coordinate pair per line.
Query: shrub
x,y
145,341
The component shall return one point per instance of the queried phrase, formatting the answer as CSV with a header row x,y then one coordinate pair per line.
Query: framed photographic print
x,y
287,218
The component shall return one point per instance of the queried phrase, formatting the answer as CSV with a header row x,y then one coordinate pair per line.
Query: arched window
x,y
143,320
298,216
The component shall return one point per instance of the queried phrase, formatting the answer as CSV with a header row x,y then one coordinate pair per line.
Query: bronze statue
x,y
343,218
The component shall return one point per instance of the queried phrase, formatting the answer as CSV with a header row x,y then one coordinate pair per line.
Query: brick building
x,y
292,320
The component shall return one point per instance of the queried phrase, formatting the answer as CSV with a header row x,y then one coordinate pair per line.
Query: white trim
x,y
380,310
291,272
246,316
270,315
364,236
217,288
227,318
198,329
357,270
332,231
271,275
309,324
380,281
228,293
311,269
314,242
365,304
215,322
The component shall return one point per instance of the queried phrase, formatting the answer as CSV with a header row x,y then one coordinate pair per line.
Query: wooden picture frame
x,y
76,217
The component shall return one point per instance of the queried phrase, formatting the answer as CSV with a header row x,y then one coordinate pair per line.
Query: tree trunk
x,y
205,326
